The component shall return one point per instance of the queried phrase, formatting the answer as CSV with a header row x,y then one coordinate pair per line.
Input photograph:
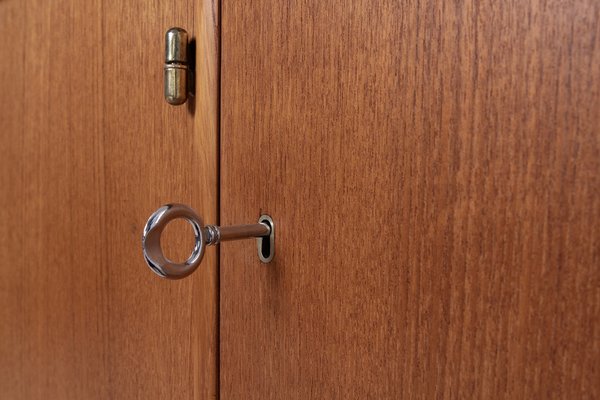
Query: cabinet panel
x,y
89,149
432,169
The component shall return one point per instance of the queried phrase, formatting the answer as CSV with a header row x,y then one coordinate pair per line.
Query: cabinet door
x,y
89,149
432,168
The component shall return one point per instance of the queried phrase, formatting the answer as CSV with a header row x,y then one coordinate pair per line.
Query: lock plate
x,y
266,244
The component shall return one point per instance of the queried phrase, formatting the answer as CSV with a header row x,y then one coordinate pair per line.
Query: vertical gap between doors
x,y
218,284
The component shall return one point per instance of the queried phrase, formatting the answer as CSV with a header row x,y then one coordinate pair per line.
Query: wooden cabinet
x,y
89,150
433,170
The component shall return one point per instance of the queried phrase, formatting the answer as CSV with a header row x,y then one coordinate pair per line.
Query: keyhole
x,y
266,245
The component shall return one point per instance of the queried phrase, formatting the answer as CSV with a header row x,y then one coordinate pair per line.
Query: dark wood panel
x,y
89,150
433,170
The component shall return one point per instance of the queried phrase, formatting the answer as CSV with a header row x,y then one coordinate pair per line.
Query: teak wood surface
x,y
433,170
89,150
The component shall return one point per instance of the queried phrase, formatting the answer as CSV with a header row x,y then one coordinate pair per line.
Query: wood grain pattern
x,y
89,150
433,170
